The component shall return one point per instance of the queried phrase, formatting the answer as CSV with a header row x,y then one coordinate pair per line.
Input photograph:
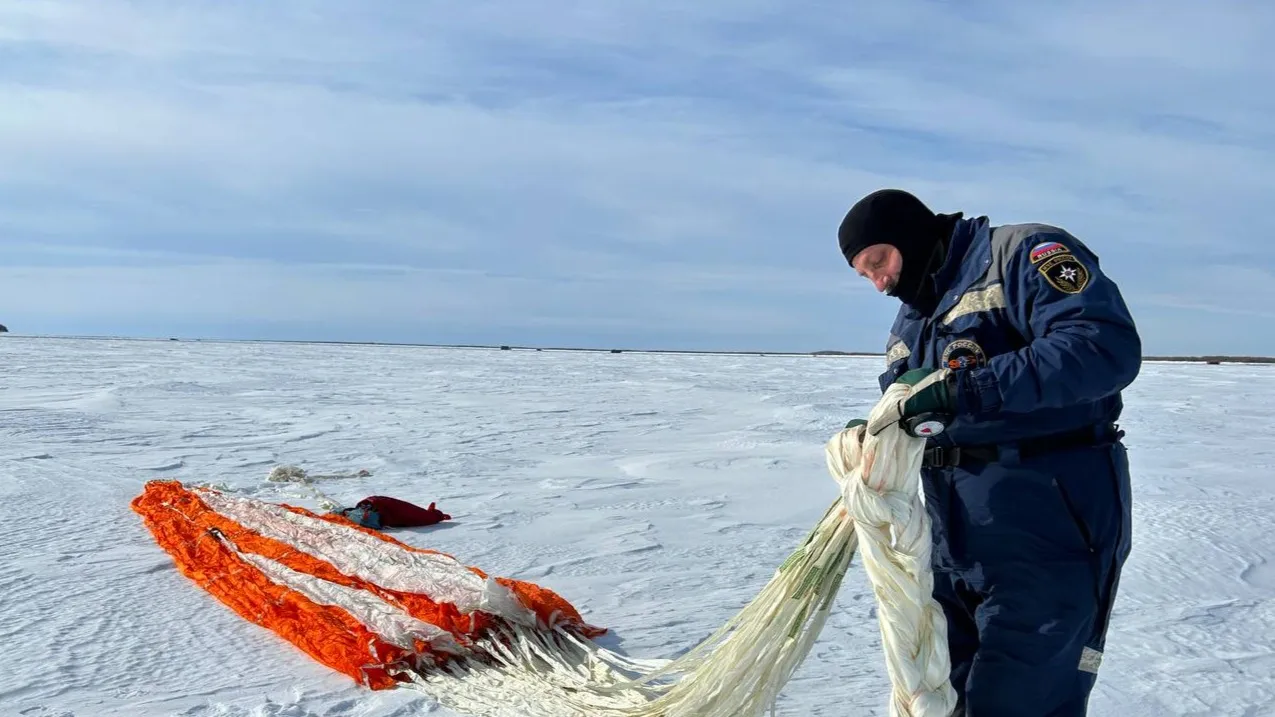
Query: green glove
x,y
933,391
857,422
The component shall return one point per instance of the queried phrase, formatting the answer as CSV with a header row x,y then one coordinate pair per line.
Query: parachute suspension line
x,y
740,669
880,481
298,475
736,672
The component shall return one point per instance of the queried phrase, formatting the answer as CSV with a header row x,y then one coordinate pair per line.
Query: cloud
x,y
671,171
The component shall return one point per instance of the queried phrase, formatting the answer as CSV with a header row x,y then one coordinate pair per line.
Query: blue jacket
x,y
1040,340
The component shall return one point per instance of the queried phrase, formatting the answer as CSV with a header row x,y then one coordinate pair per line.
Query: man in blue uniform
x,y
1017,347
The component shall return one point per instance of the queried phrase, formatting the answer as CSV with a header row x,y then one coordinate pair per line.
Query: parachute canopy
x,y
354,599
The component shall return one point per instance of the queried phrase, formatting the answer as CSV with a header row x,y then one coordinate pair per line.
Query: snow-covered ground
x,y
657,492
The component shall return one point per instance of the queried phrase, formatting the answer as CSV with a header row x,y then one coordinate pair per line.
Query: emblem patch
x,y
1041,252
963,354
1065,273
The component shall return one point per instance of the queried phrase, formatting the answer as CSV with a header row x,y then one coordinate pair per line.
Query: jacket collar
x,y
959,247
967,246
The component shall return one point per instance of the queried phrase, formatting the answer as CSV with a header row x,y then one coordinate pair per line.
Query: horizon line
x,y
1205,358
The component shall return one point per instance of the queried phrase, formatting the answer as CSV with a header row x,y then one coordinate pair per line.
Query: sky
x,y
603,174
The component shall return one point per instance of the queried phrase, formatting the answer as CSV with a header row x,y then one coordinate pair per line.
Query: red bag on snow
x,y
395,513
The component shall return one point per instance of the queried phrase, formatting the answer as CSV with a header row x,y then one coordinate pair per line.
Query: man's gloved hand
x,y
857,423
932,391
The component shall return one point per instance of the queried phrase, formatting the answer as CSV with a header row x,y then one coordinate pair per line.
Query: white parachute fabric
x,y
740,670
880,482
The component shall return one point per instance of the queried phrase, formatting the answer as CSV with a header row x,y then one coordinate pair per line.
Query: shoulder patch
x,y
1044,250
1064,272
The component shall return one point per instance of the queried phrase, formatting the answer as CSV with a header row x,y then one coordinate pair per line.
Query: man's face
x,y
880,264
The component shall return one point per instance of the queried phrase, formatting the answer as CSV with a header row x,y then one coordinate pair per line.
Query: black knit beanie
x,y
897,218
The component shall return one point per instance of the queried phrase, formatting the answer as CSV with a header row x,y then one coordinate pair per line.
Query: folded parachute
x,y
356,600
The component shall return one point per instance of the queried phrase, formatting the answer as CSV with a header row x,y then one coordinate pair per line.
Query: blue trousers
x,y
1027,561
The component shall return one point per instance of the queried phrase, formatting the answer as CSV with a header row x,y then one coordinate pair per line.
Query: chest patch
x,y
964,354
1065,273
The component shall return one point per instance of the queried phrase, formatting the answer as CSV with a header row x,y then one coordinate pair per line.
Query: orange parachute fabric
x,y
354,599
